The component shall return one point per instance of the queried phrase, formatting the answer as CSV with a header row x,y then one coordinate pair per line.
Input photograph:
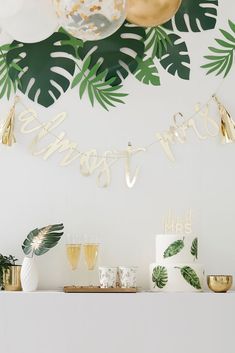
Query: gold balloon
x,y
151,13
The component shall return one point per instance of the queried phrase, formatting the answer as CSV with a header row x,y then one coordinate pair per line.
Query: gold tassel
x,y
8,137
227,123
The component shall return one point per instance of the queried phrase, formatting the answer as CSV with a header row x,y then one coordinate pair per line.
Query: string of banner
x,y
91,162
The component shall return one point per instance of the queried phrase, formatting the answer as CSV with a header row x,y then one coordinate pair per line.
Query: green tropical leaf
x,y
147,72
174,248
194,248
175,58
222,62
7,85
160,276
76,43
39,241
191,277
194,15
97,86
156,40
40,62
116,53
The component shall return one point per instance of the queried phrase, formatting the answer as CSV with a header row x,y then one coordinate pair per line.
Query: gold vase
x,y
11,278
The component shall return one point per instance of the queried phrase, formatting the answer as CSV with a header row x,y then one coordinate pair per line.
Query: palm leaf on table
x,y
222,58
39,241
96,85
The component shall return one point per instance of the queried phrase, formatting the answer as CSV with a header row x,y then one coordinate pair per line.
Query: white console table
x,y
54,322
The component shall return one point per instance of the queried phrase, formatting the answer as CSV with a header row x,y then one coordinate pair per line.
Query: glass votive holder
x,y
127,276
108,277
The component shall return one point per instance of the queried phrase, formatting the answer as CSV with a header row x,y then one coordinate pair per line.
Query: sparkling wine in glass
x,y
73,255
91,253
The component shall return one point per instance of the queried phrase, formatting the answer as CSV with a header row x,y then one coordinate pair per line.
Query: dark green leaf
x,y
175,58
116,53
147,72
174,248
160,276
194,248
40,63
194,15
191,277
39,241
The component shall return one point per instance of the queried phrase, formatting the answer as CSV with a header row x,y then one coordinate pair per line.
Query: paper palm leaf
x,y
222,59
39,241
97,86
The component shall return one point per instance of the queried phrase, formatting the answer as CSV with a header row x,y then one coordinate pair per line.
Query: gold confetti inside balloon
x,y
91,19
151,13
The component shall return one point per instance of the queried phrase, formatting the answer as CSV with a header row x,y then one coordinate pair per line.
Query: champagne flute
x,y
73,250
91,251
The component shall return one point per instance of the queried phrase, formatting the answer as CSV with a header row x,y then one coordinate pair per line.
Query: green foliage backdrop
x,y
45,70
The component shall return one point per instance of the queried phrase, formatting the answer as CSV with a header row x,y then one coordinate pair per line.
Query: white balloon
x,y
35,22
5,38
9,8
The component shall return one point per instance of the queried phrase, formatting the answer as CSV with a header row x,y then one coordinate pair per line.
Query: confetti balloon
x,y
91,19
151,13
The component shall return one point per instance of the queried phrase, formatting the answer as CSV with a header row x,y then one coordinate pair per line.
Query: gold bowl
x,y
219,283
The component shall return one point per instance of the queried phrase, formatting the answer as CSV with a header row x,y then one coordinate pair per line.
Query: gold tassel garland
x,y
227,123
8,137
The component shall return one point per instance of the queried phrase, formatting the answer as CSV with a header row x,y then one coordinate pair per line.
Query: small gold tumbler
x,y
11,278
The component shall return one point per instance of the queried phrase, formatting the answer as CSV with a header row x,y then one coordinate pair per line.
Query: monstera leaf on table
x,y
45,67
40,241
194,15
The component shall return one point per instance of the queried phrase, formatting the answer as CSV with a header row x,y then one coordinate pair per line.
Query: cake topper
x,y
178,225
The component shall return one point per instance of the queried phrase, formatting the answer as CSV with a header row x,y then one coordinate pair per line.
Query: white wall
x,y
36,193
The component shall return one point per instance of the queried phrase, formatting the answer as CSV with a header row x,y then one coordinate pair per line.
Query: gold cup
x,y
219,283
11,278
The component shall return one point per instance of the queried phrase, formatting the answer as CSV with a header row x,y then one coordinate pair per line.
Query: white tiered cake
x,y
176,268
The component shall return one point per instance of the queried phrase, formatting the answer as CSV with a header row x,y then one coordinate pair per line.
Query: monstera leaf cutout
x,y
175,58
194,15
39,241
147,72
116,53
191,277
43,64
174,248
160,276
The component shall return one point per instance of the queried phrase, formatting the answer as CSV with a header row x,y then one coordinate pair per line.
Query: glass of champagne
x,y
73,250
91,251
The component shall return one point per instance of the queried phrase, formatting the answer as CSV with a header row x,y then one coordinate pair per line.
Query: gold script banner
x,y
92,163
